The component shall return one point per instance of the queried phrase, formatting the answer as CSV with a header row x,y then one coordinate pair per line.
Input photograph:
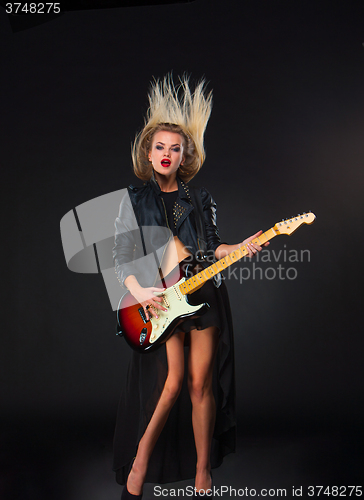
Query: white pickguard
x,y
176,305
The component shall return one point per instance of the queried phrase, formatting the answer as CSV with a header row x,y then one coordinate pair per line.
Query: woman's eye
x,y
159,147
177,149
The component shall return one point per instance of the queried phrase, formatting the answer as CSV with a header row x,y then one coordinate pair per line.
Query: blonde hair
x,y
178,110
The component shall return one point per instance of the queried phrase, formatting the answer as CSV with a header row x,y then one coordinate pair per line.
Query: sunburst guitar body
x,y
145,335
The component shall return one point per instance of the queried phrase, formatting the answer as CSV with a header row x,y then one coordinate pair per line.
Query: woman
x,y
198,357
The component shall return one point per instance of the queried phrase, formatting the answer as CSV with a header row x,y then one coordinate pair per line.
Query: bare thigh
x,y
175,360
202,354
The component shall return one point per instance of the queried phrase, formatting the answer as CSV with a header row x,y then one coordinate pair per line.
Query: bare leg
x,y
203,348
170,392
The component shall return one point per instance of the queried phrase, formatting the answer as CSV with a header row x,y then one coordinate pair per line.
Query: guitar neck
x,y
196,281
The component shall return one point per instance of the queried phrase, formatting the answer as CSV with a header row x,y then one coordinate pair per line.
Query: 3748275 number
x,y
32,8
335,491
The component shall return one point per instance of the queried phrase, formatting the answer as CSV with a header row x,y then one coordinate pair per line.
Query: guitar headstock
x,y
288,226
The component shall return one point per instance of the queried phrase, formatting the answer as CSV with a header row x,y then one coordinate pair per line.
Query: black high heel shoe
x,y
125,495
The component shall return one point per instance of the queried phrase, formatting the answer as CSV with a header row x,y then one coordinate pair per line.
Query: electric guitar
x,y
144,334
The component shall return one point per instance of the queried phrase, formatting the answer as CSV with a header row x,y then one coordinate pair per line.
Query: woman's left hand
x,y
253,248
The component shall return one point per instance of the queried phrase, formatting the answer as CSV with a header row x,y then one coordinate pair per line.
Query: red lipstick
x,y
165,163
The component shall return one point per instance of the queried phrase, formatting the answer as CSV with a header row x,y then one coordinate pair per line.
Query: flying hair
x,y
174,109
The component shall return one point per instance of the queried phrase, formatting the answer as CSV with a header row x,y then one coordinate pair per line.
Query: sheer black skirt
x,y
174,456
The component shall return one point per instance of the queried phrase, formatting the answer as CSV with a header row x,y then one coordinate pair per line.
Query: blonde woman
x,y
176,417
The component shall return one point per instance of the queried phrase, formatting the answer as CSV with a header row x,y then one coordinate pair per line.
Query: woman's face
x,y
166,153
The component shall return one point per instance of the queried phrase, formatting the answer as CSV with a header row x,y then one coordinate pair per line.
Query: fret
x,y
205,275
193,280
219,266
214,267
241,250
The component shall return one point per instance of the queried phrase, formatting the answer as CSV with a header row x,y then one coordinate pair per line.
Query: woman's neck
x,y
166,183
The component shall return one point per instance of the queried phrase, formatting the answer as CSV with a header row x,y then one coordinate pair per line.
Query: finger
x,y
250,251
152,305
252,248
146,311
158,298
256,234
157,305
151,311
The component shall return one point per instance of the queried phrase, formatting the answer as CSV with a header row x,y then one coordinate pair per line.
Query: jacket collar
x,y
183,191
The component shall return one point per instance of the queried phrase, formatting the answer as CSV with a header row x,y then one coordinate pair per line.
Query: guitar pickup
x,y
142,315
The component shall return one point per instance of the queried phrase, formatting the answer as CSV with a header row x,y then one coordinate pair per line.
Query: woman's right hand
x,y
150,302
146,296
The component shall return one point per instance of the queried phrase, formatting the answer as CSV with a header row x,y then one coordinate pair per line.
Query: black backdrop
x,y
286,135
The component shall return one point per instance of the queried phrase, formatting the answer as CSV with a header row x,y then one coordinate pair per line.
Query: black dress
x,y
174,456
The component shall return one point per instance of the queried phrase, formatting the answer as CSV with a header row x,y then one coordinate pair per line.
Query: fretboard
x,y
196,281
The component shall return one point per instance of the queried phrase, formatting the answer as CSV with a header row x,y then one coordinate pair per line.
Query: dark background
x,y
286,135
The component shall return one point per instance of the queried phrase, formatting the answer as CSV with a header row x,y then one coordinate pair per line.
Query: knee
x,y
199,388
172,389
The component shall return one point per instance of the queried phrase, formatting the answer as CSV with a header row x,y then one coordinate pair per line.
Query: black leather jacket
x,y
142,230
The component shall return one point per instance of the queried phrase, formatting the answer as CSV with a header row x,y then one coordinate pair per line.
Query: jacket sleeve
x,y
209,212
127,241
